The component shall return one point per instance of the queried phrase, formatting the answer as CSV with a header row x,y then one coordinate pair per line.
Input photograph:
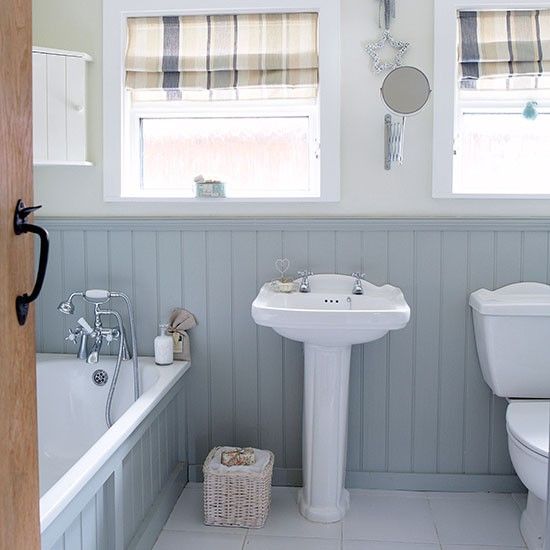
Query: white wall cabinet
x,y
59,107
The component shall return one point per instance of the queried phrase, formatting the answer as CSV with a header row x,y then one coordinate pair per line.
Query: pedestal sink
x,y
328,320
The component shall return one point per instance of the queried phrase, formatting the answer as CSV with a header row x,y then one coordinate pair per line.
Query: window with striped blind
x,y
502,127
231,98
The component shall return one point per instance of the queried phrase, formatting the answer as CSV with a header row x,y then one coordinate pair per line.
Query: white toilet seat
x,y
528,441
528,423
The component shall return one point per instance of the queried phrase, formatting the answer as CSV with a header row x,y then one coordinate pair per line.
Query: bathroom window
x,y
239,98
492,112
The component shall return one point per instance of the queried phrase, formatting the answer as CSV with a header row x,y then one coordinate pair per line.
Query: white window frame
x,y
446,102
115,13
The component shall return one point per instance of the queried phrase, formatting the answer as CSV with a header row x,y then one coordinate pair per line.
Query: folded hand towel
x,y
180,321
262,459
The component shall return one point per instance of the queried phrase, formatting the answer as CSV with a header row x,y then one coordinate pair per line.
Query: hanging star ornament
x,y
374,49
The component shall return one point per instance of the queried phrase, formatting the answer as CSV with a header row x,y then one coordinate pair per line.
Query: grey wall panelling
x,y
126,503
420,413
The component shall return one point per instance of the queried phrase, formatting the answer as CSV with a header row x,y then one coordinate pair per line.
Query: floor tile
x,y
285,519
521,500
387,493
190,540
394,518
187,514
369,545
262,542
477,519
469,495
468,547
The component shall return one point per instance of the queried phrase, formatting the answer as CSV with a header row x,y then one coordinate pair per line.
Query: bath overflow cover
x,y
100,377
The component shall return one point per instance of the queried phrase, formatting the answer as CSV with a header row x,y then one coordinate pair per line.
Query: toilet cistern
x,y
329,318
511,326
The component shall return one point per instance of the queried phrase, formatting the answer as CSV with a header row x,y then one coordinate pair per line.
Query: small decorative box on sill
x,y
209,189
237,496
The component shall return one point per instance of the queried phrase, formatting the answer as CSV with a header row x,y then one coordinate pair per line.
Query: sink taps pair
x,y
306,274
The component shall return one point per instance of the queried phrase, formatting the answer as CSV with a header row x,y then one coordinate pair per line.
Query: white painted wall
x,y
367,190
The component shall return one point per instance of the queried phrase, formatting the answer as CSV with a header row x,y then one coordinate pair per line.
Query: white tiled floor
x,y
377,520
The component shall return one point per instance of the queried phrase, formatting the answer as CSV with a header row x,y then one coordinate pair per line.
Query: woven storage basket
x,y
236,499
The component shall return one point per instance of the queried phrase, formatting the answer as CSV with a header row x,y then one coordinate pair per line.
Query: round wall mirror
x,y
406,91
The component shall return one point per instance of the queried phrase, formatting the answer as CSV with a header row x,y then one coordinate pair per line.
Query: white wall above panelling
x,y
367,190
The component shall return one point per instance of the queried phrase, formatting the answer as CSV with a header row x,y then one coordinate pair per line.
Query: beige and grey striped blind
x,y
504,49
223,56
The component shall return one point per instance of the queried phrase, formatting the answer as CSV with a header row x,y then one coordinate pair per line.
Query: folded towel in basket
x,y
262,459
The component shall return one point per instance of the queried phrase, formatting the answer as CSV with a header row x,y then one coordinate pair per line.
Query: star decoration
x,y
374,48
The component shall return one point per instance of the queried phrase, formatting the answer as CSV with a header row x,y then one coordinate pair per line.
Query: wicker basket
x,y
236,499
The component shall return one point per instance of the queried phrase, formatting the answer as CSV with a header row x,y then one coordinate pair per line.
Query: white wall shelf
x,y
59,107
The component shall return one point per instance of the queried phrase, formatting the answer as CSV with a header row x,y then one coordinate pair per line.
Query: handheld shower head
x,y
67,307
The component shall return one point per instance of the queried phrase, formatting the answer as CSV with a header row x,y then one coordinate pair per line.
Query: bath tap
x,y
358,285
93,355
83,346
100,333
97,298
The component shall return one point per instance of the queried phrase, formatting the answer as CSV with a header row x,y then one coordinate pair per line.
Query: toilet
x,y
512,330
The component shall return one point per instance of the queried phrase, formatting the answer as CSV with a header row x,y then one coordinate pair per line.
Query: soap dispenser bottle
x,y
164,347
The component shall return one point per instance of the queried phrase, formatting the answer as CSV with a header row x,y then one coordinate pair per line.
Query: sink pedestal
x,y
323,497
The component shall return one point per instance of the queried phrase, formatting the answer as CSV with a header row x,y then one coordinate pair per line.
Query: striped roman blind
x,y
240,56
504,49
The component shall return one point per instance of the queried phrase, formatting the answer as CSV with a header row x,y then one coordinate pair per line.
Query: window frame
x,y
115,135
446,100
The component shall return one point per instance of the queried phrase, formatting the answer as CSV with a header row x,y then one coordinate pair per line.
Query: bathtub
x,y
108,488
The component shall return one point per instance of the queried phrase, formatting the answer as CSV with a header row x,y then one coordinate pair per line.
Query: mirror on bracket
x,y
405,92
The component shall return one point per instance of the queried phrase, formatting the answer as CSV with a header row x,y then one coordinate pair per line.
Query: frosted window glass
x,y
503,153
254,157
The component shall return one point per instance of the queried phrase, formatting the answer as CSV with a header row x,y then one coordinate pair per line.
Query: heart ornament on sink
x,y
283,284
282,265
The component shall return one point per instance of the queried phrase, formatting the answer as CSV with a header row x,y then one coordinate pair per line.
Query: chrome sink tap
x,y
304,283
358,284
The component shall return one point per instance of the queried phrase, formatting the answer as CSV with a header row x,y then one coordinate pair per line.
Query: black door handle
x,y
20,226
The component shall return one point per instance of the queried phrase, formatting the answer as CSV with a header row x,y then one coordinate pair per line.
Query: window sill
x,y
205,200
485,196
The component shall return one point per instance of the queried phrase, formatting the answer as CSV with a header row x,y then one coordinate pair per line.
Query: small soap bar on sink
x,y
284,285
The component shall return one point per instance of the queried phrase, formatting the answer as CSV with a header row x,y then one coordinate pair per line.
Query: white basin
x,y
328,319
330,314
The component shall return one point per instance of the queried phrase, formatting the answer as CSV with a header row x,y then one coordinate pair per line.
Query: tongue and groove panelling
x,y
421,416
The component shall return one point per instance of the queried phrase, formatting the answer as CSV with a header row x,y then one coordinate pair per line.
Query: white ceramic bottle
x,y
164,347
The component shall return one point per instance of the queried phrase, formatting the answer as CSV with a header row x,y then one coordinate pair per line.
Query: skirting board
x,y
153,523
466,483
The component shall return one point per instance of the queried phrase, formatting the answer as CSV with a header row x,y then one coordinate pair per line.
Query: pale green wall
x,y
73,25
367,190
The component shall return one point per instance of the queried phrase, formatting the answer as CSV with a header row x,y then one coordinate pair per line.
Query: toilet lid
x,y
528,299
528,422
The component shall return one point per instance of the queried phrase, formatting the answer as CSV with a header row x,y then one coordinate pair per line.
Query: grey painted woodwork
x,y
419,409
126,503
